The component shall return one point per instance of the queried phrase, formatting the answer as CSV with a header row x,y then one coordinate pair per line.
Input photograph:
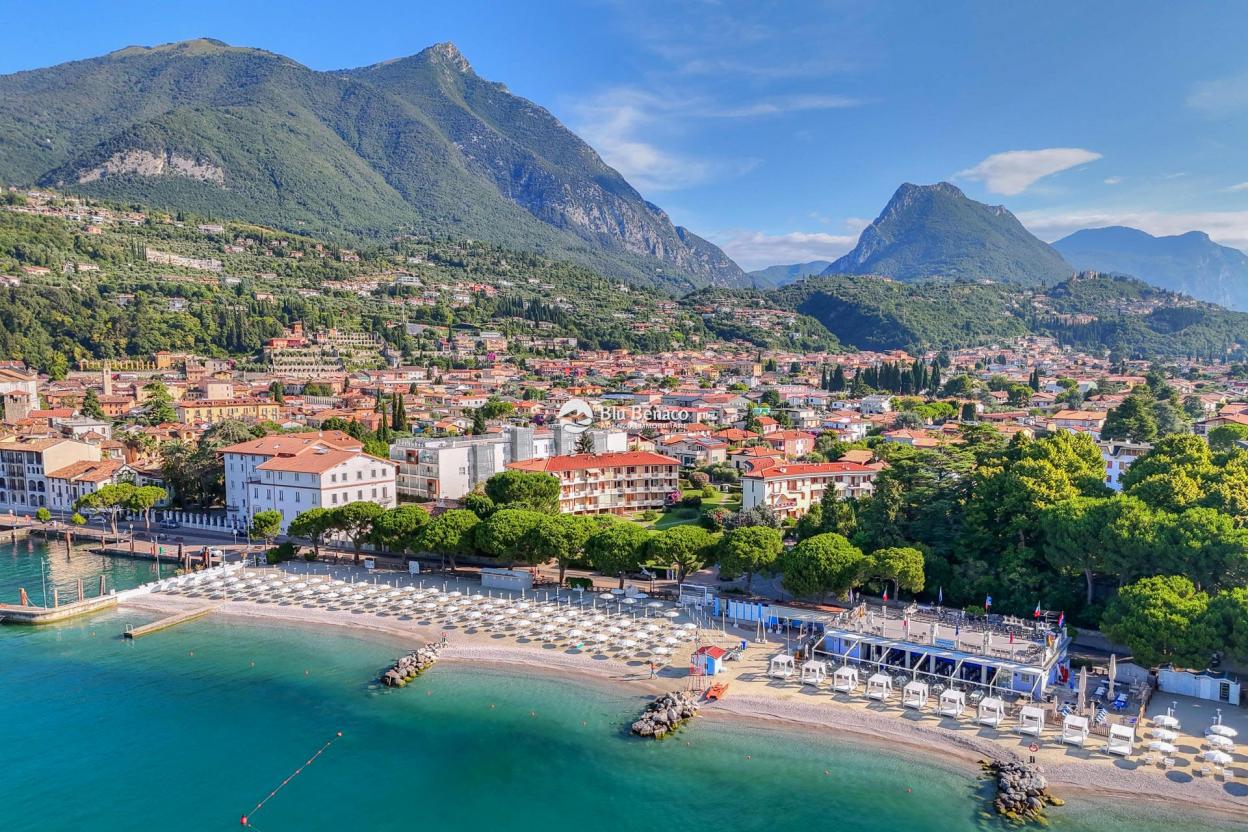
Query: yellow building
x,y
211,411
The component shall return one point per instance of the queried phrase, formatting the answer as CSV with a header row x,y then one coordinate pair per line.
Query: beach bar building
x,y
1005,657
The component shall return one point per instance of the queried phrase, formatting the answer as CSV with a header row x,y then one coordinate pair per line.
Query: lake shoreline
x,y
960,746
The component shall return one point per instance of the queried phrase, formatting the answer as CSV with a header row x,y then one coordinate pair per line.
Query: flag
x,y
988,602
1036,614
1011,636
940,597
1061,620
885,594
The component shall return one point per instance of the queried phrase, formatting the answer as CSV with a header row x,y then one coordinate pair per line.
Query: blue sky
x,y
779,129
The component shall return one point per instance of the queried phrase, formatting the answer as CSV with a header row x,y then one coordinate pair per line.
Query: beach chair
x,y
1101,690
1120,702
1167,763
1149,759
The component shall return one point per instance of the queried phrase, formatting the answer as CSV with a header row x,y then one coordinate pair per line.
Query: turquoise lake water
x,y
191,728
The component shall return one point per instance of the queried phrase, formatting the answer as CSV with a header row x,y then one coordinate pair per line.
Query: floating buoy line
x,y
246,820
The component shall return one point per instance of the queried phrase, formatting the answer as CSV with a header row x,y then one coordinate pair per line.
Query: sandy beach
x,y
753,696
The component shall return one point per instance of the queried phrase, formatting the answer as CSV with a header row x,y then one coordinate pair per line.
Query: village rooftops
x,y
290,444
812,469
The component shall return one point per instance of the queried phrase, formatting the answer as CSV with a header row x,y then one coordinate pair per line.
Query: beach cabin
x,y
914,695
1121,740
814,673
845,679
781,667
991,712
879,687
1031,721
1075,730
952,703
711,659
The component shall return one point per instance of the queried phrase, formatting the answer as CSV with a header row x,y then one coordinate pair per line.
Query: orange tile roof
x,y
289,444
88,470
810,469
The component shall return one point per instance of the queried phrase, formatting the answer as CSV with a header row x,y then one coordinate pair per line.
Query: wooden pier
x,y
166,623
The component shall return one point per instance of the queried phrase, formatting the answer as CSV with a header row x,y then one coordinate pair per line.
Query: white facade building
x,y
291,473
791,490
1118,457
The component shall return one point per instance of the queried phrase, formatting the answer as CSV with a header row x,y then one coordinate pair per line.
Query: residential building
x,y
1082,421
291,473
76,480
790,490
211,411
448,469
25,461
610,483
1118,457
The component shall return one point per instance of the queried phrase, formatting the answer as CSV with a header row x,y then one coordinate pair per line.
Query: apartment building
x,y
1082,421
24,463
610,483
211,411
292,473
449,469
76,480
790,490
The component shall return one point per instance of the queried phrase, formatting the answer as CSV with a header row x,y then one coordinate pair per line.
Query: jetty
x,y
29,614
167,622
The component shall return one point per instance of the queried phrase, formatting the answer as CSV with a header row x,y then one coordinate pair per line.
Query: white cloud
x,y
1221,96
625,125
1113,180
1242,186
756,250
1014,171
1230,228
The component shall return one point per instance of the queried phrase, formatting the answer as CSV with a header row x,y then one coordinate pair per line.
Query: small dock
x,y
166,623
27,614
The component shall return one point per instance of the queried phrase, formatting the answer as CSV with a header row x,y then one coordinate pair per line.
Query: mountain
x,y
419,145
1190,263
1089,311
935,231
782,275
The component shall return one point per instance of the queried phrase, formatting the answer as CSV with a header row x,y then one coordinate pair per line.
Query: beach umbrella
x,y
1218,758
575,633
671,614
1162,746
689,625
627,643
1223,730
607,596
1219,741
1166,720
655,605
1113,673
629,601
1166,735
617,591
1083,688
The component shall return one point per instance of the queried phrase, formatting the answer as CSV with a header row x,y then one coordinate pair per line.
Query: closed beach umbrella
x,y
1113,673
1083,688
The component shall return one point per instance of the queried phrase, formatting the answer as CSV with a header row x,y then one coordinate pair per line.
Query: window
x,y
374,494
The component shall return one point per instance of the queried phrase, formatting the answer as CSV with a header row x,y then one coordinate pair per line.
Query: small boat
x,y
716,691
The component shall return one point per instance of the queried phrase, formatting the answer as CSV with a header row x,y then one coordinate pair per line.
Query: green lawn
x,y
681,516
